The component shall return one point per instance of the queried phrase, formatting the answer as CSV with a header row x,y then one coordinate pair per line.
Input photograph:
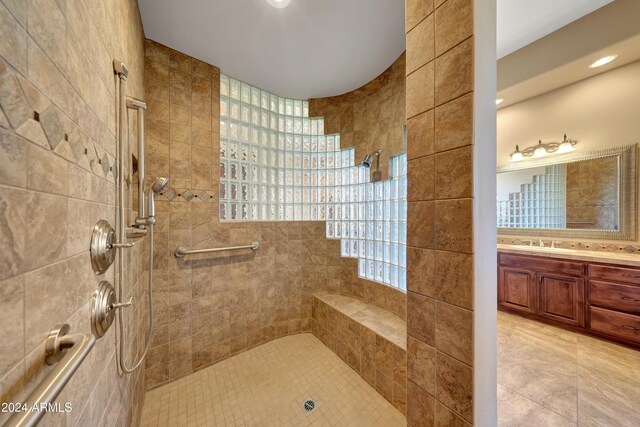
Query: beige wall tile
x,y
13,100
12,319
420,44
454,331
13,38
420,90
47,172
453,225
45,76
420,179
454,72
416,11
454,23
454,174
454,385
421,364
453,124
421,228
13,160
420,133
420,406
67,64
445,417
45,244
421,318
453,278
420,271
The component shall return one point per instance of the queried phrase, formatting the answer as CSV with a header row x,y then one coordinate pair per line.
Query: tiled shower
x,y
221,305
244,165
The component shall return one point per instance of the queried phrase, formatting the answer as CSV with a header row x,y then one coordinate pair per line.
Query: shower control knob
x,y
102,315
118,305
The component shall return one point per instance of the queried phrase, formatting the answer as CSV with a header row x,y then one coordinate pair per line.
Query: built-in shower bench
x,y
368,338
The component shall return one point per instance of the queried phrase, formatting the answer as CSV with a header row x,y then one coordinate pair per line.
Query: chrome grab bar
x,y
181,252
68,351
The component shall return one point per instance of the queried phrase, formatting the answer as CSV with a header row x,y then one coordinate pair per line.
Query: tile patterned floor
x,y
265,386
547,377
551,377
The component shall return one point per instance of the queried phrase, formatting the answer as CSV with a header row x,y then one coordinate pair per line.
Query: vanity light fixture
x,y
279,3
517,155
542,149
603,61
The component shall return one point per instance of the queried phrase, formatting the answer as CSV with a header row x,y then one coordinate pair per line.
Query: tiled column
x,y
440,276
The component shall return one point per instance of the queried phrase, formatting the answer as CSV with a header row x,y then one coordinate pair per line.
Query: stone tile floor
x,y
551,377
546,377
266,386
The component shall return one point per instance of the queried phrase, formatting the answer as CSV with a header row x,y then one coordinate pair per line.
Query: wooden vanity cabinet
x,y
561,298
543,287
614,301
593,298
518,290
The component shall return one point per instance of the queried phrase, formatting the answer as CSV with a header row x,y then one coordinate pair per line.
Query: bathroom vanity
x,y
581,290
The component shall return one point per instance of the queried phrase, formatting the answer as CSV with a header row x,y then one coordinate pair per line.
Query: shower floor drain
x,y
309,405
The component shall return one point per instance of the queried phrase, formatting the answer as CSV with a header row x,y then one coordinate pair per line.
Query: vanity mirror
x,y
580,195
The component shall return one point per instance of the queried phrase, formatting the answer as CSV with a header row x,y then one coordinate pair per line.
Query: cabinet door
x,y
562,298
517,290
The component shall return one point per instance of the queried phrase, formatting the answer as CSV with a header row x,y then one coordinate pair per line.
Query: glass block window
x,y
372,224
277,164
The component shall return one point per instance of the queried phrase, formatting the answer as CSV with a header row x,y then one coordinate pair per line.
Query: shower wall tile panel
x,y
209,307
369,118
57,178
439,252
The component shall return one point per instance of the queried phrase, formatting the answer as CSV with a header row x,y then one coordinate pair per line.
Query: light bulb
x,y
540,152
565,147
517,157
499,101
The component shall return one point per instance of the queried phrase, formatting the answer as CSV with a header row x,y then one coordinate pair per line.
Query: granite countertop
x,y
576,254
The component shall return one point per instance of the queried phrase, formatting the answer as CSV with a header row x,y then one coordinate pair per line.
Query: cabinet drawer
x,y
615,295
542,264
615,274
621,325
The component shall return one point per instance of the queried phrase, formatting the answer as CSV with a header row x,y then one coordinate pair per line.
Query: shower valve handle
x,y
118,305
122,245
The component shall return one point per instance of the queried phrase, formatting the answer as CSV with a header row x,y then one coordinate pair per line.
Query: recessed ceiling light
x,y
603,61
279,3
499,101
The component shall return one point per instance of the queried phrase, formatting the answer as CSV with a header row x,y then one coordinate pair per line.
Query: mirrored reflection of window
x,y
277,164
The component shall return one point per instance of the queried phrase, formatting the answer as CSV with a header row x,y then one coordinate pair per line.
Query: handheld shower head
x,y
156,186
159,184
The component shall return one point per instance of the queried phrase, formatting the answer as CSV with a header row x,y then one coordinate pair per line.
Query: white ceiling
x,y
521,22
309,49
563,57
320,48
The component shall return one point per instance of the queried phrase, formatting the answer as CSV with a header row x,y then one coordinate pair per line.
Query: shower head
x,y
159,184
369,158
156,186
